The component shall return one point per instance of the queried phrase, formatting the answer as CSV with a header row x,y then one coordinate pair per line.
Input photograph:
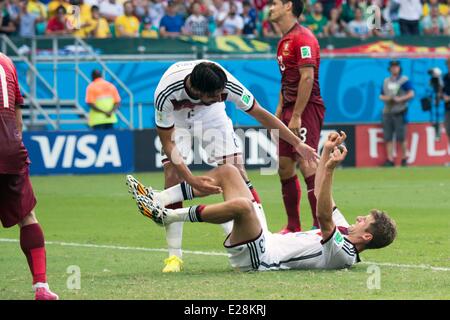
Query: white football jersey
x,y
307,250
174,107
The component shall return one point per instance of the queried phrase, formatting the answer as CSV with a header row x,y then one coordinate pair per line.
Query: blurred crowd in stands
x,y
250,18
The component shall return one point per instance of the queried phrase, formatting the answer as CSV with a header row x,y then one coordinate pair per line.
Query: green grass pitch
x,y
97,210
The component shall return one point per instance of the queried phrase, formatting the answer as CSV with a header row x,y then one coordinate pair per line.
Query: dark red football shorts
x,y
16,198
312,122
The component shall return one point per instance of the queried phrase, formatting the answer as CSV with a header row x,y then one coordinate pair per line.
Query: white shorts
x,y
247,256
216,140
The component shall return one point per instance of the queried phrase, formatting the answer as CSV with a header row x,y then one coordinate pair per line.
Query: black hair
x,y
395,63
96,74
208,77
383,230
61,9
297,6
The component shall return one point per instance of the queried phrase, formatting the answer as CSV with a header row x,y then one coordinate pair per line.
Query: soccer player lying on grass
x,y
251,246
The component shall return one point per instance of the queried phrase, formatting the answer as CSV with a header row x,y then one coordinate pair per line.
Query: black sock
x,y
188,192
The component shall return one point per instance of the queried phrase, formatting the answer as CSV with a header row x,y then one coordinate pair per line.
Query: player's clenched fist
x,y
335,140
337,156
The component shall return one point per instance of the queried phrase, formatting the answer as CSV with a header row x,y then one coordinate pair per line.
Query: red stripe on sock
x,y
255,195
33,246
38,257
198,212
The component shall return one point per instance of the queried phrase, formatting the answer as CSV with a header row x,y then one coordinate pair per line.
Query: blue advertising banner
x,y
80,152
350,87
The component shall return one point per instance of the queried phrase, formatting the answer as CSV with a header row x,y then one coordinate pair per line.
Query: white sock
x,y
174,237
178,193
40,285
187,214
174,228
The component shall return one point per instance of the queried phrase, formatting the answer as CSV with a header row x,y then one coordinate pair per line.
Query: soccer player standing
x,y
300,106
16,193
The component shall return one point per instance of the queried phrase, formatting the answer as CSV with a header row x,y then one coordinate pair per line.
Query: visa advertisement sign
x,y
80,152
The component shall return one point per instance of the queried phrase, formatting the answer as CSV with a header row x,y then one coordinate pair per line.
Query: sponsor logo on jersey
x,y
160,116
246,98
305,52
338,237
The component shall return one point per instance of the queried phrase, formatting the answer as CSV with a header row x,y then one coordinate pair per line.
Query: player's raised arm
x,y
333,154
332,141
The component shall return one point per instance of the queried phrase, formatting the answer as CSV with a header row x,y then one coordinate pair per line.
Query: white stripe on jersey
x,y
159,101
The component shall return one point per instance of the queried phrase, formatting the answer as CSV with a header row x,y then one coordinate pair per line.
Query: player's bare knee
x,y
242,206
229,171
241,171
307,169
29,219
286,172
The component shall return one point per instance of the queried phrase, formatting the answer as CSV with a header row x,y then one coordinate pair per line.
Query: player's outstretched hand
x,y
307,153
204,184
337,156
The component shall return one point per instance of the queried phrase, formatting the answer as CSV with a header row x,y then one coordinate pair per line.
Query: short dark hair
x,y
96,74
61,9
394,63
297,6
383,230
208,77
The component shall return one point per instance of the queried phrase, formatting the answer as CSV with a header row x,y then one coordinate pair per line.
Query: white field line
x,y
98,246
407,266
212,253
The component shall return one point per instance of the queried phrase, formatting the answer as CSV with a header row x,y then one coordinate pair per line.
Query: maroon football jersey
x,y
298,48
13,154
